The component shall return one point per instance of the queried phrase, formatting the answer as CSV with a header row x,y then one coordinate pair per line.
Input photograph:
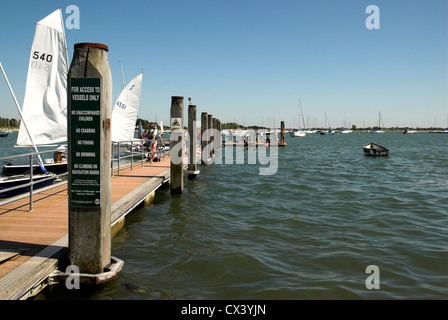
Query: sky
x,y
250,61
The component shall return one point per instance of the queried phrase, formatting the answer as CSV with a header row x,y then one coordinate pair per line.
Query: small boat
x,y
378,129
17,168
409,131
328,132
297,133
3,134
373,149
40,181
44,110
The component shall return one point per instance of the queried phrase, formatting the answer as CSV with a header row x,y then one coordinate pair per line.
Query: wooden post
x,y
220,137
204,132
213,137
217,146
282,134
176,145
192,131
89,91
209,138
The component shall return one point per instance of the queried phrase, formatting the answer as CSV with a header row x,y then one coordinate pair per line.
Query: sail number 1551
x,y
44,57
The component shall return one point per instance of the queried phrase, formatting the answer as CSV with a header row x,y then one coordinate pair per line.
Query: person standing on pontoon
x,y
152,142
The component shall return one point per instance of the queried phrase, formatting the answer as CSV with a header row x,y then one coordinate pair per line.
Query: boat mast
x,y
301,114
24,124
122,77
63,33
65,39
379,121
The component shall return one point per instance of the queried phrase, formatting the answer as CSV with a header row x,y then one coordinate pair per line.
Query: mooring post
x,y
219,135
219,138
204,133
89,91
192,131
213,136
282,133
215,140
209,135
176,145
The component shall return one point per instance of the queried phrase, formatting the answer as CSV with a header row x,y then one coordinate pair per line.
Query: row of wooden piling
x,y
90,216
89,223
177,141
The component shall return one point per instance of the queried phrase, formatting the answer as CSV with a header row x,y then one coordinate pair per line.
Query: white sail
x,y
124,114
299,132
45,104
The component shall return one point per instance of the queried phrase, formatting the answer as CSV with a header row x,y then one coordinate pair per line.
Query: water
x,y
307,232
7,146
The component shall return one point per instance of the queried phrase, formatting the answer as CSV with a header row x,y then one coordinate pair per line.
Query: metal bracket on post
x,y
109,273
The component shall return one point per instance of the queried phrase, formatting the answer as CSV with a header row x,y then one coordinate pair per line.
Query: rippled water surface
x,y
307,232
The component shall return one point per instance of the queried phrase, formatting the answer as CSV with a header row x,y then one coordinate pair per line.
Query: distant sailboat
x,y
124,114
161,127
328,132
378,130
346,130
298,132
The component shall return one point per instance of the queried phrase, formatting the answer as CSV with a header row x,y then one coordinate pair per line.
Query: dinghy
x,y
40,181
44,111
373,149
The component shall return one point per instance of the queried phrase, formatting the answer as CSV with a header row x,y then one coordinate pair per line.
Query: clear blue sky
x,y
249,61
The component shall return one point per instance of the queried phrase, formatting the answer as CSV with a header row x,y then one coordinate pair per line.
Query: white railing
x,y
127,153
30,174
124,156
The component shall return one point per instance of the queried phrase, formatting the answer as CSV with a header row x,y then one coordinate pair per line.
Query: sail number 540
x,y
44,57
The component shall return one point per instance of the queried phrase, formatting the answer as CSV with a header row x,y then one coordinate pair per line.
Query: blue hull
x,y
17,181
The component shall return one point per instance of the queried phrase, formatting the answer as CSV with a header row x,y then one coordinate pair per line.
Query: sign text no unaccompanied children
x,y
85,142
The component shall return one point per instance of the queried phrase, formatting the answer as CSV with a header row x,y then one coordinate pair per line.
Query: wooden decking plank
x,y
44,232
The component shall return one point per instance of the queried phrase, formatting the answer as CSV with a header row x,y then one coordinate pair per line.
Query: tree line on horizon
x,y
14,123
237,126
9,123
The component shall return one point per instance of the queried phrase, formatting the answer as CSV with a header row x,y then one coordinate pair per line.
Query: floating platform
x,y
32,244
